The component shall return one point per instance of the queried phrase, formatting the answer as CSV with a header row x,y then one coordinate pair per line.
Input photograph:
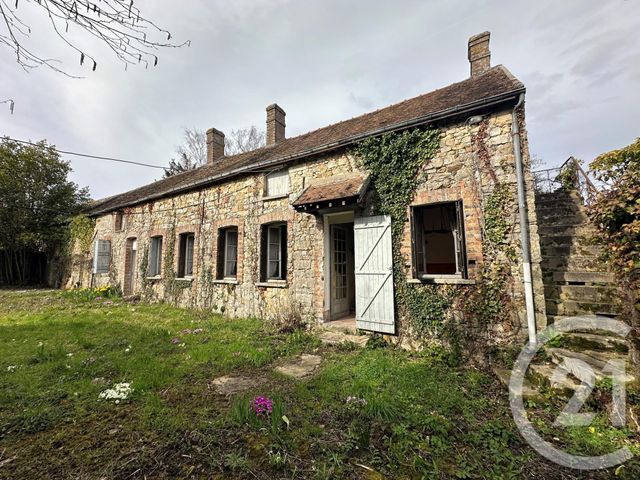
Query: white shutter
x,y
374,274
277,183
95,256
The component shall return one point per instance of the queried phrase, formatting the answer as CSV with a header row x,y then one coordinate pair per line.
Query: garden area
x,y
92,386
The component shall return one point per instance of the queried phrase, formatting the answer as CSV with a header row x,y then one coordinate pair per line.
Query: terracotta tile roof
x,y
350,187
495,86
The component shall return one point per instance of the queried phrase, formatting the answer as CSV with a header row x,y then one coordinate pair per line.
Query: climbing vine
x,y
81,228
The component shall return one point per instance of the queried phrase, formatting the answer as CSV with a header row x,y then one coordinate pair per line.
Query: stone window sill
x,y
184,279
154,277
273,284
275,197
443,281
226,281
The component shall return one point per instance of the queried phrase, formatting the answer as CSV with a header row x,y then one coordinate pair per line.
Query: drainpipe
x,y
524,225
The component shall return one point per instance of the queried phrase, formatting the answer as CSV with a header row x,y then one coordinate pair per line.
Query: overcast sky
x,y
324,61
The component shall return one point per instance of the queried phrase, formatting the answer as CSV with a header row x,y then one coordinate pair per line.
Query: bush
x,y
109,292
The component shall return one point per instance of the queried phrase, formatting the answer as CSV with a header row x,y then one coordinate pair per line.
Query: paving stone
x,y
230,385
303,366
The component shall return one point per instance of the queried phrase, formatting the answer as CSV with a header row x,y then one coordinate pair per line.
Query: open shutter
x,y
374,274
461,258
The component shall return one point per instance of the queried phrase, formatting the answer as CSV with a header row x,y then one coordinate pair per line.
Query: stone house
x,y
291,227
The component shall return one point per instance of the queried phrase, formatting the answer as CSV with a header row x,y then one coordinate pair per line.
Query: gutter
x,y
525,241
429,118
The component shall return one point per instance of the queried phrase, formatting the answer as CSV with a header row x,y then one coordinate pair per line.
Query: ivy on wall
x,y
452,312
81,228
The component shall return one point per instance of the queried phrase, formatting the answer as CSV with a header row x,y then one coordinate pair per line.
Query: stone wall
x,y
472,158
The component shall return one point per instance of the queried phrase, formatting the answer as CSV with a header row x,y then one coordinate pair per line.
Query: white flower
x,y
11,368
120,391
40,344
128,349
69,354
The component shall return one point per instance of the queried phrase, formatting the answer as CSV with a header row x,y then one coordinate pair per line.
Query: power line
x,y
96,157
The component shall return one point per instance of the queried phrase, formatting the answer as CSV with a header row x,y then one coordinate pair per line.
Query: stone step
x,y
593,321
572,263
337,338
563,240
574,307
594,341
559,227
581,363
600,294
586,278
528,390
553,250
553,376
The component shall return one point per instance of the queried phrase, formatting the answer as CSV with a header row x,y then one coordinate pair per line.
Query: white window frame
x,y
155,256
226,260
185,258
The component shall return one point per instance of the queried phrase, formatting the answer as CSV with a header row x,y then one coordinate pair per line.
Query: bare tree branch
x,y
117,23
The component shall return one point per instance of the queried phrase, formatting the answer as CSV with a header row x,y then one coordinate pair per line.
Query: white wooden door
x,y
374,274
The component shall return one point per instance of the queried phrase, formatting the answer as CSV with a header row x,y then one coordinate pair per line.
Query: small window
x,y
273,256
185,257
102,256
438,240
155,257
118,221
277,183
227,253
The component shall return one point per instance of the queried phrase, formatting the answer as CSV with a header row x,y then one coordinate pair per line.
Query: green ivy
x,y
395,161
82,228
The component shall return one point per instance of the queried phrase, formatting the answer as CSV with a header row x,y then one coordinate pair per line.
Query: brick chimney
x,y
215,145
479,54
275,124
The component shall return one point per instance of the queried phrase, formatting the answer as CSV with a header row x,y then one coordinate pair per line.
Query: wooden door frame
x,y
343,216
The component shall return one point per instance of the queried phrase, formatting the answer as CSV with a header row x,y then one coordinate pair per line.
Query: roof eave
x,y
414,122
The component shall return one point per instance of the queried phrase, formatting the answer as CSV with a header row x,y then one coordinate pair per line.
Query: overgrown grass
x,y
409,415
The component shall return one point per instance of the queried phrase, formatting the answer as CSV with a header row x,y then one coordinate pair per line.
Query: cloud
x,y
324,61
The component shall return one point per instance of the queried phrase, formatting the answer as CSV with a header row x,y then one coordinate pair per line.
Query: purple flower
x,y
262,406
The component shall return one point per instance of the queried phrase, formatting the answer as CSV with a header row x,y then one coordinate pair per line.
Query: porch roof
x,y
339,192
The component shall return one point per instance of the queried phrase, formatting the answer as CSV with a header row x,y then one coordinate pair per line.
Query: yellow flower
x,y
592,429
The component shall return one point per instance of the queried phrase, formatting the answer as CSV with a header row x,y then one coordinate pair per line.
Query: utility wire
x,y
97,157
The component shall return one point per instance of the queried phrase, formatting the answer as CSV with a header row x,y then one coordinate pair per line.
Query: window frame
x,y
118,221
459,239
99,269
223,260
186,256
285,174
155,264
268,255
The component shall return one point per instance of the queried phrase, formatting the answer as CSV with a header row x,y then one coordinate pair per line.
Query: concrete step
x,y
600,294
581,363
574,307
586,278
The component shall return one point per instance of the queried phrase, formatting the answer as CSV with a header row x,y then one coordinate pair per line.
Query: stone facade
x,y
471,159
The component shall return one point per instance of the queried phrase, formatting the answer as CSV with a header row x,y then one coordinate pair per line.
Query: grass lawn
x,y
412,415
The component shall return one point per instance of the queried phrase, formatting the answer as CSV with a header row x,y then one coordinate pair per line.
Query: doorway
x,y
339,266
130,266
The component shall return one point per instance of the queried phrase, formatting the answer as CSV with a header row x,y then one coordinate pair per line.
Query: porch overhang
x,y
339,192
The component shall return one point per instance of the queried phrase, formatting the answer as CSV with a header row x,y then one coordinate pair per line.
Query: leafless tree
x,y
244,140
118,23
193,151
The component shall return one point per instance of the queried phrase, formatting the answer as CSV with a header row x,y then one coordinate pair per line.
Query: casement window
x,y
102,256
155,257
118,221
185,255
276,183
273,252
227,264
438,240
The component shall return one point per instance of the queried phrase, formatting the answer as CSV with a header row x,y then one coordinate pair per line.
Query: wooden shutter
x,y
264,231
222,233
283,252
375,309
277,183
461,254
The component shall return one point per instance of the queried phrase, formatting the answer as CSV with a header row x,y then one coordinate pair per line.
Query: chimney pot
x,y
275,124
479,54
215,145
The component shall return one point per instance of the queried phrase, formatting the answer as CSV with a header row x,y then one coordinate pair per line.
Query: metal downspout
x,y
524,225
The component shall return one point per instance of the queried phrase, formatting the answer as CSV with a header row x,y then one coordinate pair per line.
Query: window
x,y
277,183
102,256
155,257
185,257
438,240
227,253
118,221
273,254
